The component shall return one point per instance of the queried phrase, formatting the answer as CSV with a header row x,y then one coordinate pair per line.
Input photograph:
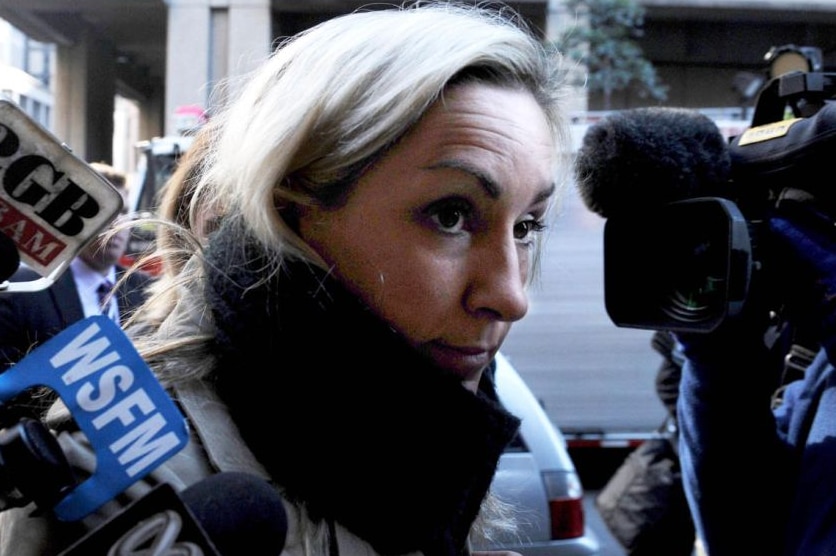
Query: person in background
x,y
28,319
373,199
677,530
769,461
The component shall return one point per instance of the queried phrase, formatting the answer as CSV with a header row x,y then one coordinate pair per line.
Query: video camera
x,y
689,263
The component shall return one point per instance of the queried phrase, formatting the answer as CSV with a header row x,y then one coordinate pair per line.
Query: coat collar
x,y
346,417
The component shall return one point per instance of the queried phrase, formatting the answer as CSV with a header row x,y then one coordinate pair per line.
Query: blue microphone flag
x,y
115,399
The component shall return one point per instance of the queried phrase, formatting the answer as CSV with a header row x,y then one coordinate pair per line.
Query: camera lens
x,y
680,266
696,283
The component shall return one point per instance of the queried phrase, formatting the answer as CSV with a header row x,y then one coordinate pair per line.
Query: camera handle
x,y
804,92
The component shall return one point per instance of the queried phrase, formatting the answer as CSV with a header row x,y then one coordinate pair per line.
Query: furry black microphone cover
x,y
638,158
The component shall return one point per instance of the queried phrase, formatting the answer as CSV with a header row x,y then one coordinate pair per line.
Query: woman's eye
x,y
526,229
450,217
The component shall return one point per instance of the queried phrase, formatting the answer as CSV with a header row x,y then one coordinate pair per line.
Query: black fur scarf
x,y
345,416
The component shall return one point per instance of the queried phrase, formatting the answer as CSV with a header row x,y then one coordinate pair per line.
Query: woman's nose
x,y
499,282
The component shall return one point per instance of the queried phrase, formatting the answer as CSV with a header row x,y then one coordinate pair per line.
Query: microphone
x,y
126,415
237,510
646,157
133,426
225,514
52,203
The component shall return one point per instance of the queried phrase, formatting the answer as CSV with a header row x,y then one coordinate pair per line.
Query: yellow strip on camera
x,y
766,132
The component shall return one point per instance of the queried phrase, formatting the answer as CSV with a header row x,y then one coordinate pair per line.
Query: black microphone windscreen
x,y
637,158
239,510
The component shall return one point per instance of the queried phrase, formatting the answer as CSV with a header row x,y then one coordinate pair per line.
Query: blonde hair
x,y
333,98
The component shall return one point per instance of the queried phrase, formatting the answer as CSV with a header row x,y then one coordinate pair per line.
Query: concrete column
x,y
250,35
152,116
208,42
85,82
187,56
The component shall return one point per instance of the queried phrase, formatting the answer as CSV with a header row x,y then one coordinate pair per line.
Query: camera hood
x,y
683,266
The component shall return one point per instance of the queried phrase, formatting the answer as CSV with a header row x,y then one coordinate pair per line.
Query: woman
x,y
376,195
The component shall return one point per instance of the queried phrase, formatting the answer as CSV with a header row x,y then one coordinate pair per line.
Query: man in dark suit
x,y
28,319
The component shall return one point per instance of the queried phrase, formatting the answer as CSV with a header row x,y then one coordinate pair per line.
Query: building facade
x,y
26,67
161,55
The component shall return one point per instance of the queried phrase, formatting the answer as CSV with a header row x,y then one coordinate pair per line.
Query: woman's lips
x,y
464,360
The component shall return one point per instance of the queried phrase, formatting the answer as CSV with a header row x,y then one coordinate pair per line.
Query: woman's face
x,y
438,236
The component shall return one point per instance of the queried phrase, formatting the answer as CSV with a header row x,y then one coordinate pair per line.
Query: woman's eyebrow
x,y
545,193
488,184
